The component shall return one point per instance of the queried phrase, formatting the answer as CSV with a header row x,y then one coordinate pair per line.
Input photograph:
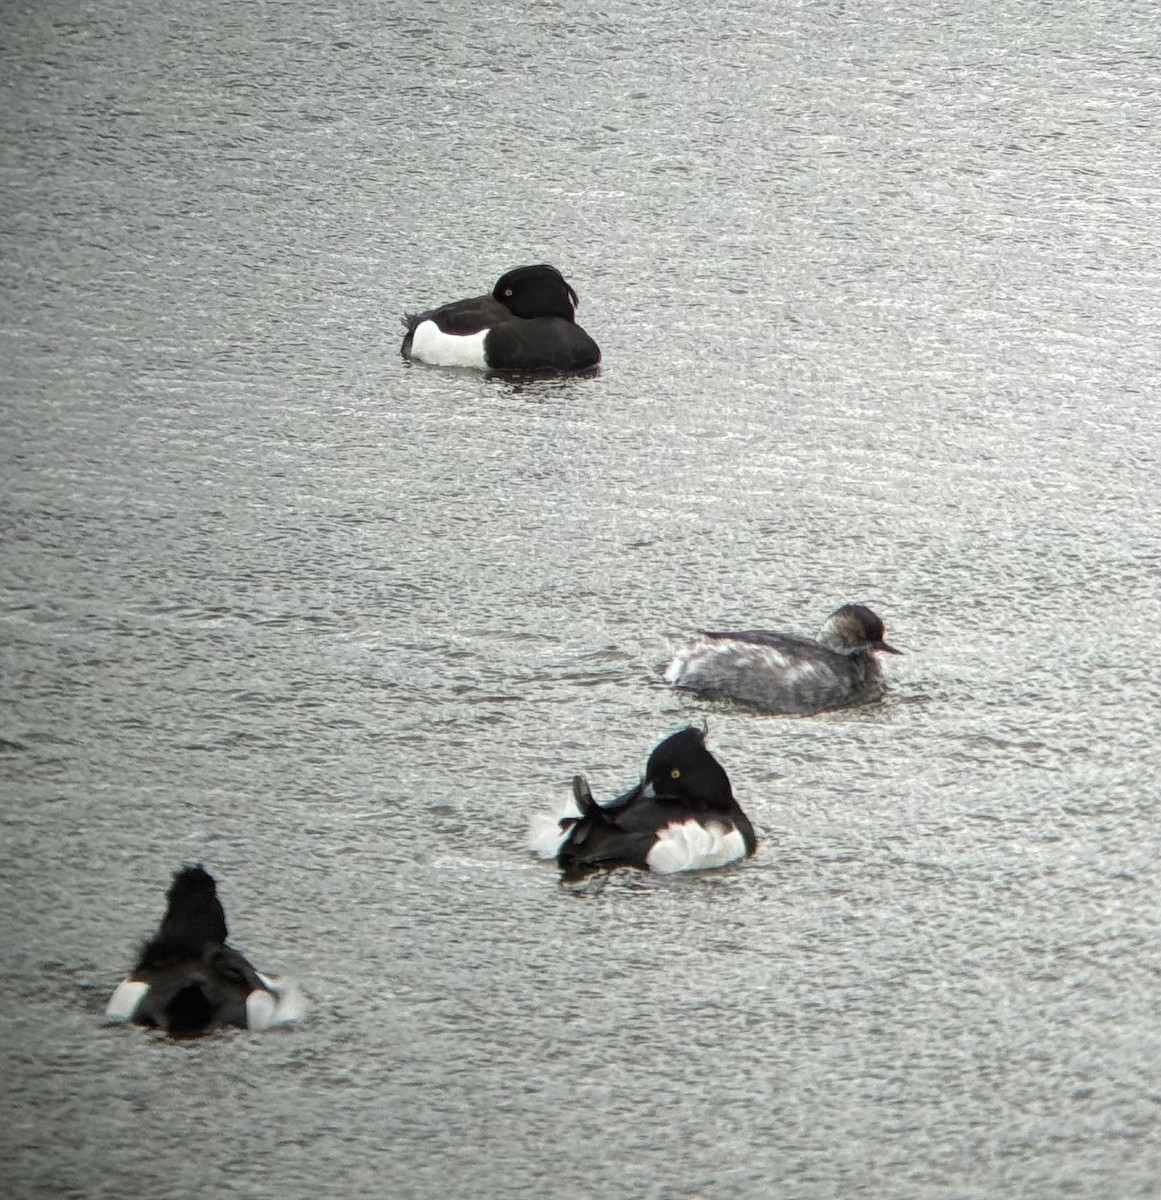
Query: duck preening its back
x,y
681,817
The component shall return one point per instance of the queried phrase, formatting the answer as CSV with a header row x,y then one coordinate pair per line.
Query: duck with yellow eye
x,y
681,817
528,323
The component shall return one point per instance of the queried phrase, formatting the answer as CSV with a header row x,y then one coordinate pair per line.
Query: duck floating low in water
x,y
188,981
528,323
782,673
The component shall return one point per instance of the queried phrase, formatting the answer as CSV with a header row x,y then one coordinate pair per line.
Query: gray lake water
x,y
878,290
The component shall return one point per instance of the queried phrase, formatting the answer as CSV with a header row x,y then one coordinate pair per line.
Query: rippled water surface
x,y
877,289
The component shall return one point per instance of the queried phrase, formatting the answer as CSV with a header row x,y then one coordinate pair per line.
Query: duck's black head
x,y
537,291
681,768
194,916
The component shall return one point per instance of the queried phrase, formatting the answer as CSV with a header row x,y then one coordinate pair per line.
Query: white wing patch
x,y
691,846
125,1001
431,345
545,836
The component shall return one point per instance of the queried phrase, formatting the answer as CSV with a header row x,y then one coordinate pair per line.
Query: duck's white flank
x,y
430,344
545,836
691,846
261,1006
282,1005
125,1001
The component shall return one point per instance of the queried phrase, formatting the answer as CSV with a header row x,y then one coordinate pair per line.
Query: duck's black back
x,y
190,994
618,836
459,317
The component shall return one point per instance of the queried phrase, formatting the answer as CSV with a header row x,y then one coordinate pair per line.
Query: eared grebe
x,y
786,674
187,981
528,323
681,817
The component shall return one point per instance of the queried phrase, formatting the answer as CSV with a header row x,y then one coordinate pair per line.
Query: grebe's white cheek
x,y
431,345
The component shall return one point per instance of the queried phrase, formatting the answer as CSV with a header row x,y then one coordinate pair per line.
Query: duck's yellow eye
x,y
507,291
675,773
